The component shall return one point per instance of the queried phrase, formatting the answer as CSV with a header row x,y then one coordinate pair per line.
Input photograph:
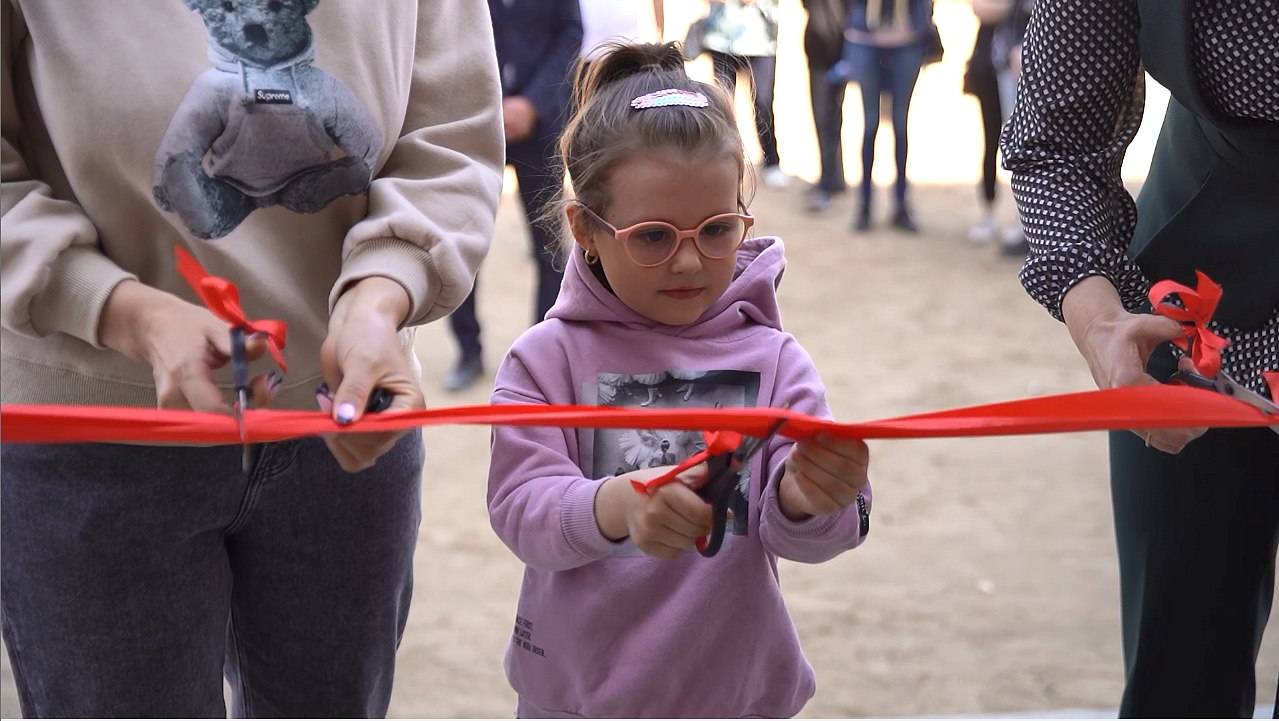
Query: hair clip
x,y
670,96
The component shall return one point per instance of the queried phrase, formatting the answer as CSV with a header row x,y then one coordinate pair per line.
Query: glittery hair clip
x,y
670,96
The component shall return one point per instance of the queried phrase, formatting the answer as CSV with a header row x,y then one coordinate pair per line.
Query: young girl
x,y
665,303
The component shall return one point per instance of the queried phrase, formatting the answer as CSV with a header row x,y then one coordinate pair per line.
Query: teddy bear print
x,y
263,126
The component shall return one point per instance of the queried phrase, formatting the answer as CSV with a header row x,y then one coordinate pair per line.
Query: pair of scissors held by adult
x,y
727,456
379,400
1203,347
1226,385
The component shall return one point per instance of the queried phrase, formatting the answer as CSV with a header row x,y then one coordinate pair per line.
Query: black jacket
x,y
538,43
824,33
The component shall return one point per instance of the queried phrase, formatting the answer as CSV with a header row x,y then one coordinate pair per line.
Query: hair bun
x,y
619,60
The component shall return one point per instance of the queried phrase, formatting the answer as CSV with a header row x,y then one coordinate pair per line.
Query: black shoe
x,y
464,374
1015,249
861,221
903,220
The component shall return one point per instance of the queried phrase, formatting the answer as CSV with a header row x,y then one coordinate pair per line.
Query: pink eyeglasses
x,y
652,243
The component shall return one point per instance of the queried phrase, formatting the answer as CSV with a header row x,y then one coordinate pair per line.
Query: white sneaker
x,y
984,231
774,177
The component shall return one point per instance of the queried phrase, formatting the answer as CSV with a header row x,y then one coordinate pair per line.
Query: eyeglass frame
x,y
622,235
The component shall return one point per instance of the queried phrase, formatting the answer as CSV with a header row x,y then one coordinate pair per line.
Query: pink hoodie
x,y
601,629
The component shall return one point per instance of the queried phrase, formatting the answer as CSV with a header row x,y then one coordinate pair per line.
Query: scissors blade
x,y
240,375
752,445
1231,387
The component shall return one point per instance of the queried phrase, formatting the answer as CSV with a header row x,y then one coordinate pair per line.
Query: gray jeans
x,y
132,578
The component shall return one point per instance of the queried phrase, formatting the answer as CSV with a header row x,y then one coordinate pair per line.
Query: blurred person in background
x,y
616,20
741,35
991,77
823,43
883,53
538,43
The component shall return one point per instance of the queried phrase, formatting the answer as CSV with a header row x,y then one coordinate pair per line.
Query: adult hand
x,y
183,343
1116,345
362,352
519,118
823,475
662,524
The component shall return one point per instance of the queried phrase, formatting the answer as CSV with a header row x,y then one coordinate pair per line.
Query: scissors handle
x,y
379,400
239,361
718,491
1193,380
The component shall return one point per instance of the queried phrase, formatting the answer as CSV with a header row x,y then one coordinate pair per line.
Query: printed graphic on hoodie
x,y
617,451
263,127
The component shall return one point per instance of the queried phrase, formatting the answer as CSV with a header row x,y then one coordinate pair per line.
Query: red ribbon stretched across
x,y
222,298
1200,304
1153,406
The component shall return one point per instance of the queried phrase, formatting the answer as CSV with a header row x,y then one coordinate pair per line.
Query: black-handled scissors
x,y
379,400
240,376
1226,385
725,471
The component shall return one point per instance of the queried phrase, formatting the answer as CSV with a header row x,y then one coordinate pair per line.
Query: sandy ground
x,y
989,582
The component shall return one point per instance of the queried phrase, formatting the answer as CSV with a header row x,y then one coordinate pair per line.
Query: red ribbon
x,y
1149,406
717,442
1152,406
1200,304
222,298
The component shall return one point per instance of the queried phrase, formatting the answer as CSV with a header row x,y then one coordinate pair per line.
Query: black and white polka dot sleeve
x,y
1079,105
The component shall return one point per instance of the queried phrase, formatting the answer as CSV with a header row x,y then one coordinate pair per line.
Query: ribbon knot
x,y
717,443
222,299
1199,304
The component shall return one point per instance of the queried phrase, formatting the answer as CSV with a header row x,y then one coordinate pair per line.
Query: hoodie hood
x,y
750,300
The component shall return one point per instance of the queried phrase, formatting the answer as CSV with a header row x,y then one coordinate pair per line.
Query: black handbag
x,y
692,46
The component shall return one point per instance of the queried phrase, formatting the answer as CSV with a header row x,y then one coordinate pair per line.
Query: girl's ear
x,y
580,226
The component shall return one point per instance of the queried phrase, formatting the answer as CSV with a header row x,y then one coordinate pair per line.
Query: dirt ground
x,y
988,583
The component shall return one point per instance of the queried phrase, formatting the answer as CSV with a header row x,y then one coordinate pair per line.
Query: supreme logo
x,y
273,97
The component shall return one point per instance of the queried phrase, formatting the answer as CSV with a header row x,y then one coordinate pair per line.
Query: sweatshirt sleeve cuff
x,y
401,261
71,302
577,520
809,528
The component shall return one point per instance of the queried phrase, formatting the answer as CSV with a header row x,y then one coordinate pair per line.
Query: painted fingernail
x,y
346,412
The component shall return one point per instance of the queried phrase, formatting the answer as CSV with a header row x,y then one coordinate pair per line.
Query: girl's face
x,y
683,191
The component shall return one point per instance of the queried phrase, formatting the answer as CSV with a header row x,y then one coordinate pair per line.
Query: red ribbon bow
x,y
222,298
1200,304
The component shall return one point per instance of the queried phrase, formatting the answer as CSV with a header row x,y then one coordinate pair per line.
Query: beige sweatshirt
x,y
292,147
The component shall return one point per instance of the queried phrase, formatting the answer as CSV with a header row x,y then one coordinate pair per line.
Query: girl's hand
x,y
823,475
1116,344
363,352
182,342
664,524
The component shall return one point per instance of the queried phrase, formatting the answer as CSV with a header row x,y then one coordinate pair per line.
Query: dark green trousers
x,y
1197,535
